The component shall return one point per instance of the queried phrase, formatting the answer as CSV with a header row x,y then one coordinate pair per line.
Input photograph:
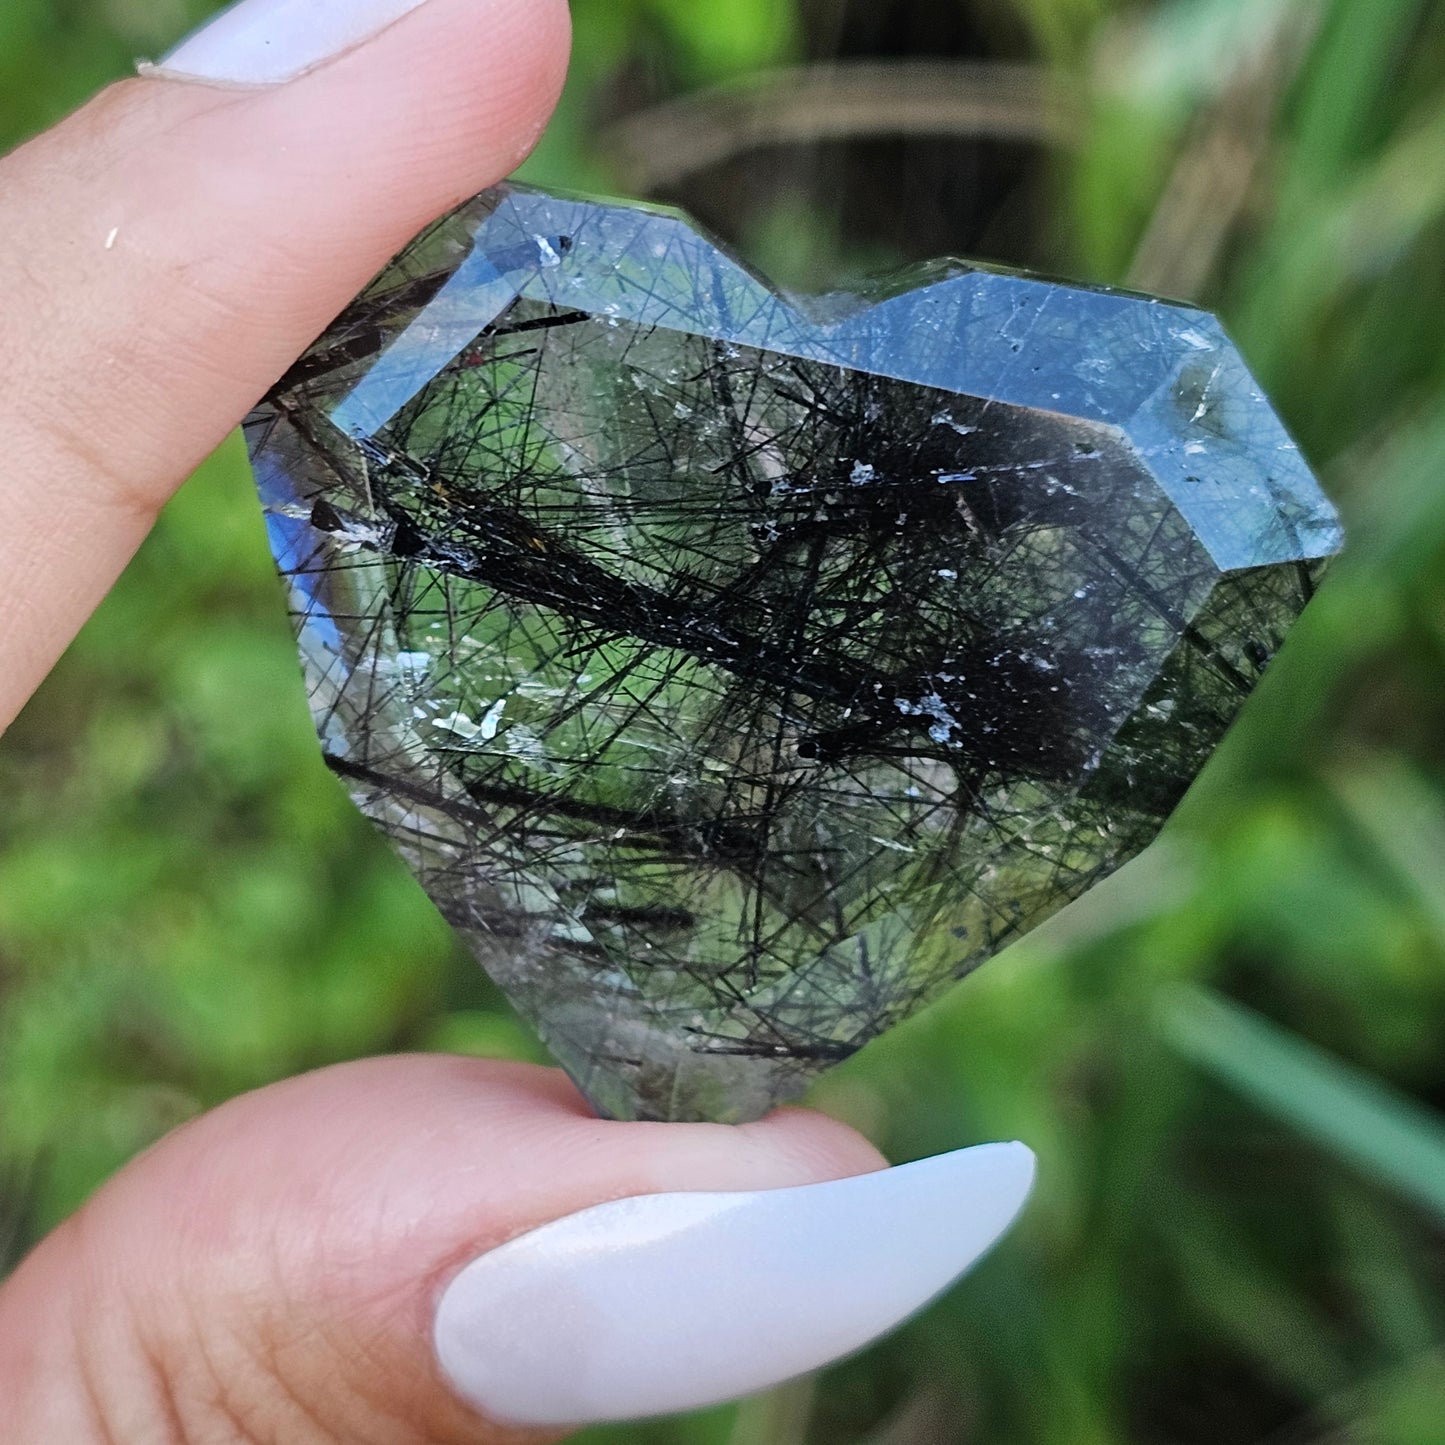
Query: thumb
x,y
168,251
367,1254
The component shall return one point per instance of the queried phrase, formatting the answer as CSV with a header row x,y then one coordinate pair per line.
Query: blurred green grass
x,y
1231,1059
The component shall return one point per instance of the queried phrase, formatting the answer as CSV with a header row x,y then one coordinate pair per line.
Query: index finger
x,y
169,250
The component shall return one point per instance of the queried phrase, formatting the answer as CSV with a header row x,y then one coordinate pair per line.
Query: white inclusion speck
x,y
111,239
493,720
681,411
1195,449
1081,594
948,574
1196,339
572,930
459,724
863,473
945,724
550,256
945,418
1204,401
413,668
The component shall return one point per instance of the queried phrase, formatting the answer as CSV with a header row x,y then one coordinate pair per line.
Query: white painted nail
x,y
263,42
672,1302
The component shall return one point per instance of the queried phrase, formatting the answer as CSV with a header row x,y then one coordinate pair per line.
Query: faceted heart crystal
x,y
737,671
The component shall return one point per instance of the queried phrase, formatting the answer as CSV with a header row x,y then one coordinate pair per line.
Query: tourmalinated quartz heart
x,y
738,671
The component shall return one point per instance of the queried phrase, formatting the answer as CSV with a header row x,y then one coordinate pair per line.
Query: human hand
x,y
411,1249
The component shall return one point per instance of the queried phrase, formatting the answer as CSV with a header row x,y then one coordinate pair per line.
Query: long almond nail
x,y
672,1302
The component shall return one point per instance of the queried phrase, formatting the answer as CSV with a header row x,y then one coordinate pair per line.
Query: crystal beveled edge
x,y
1120,360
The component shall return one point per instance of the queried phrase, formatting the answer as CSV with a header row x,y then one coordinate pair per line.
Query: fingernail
x,y
673,1302
260,42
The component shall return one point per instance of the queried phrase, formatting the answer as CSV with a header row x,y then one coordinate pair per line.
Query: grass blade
x,y
1389,1137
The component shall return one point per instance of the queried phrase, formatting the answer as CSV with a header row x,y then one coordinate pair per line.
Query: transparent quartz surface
x,y
738,671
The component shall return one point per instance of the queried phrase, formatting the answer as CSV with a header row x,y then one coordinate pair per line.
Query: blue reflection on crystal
x,y
1164,374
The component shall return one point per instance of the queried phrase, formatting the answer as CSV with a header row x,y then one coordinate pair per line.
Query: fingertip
x,y
819,1145
342,166
789,1148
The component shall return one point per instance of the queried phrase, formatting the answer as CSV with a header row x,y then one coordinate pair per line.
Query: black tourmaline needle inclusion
x,y
737,671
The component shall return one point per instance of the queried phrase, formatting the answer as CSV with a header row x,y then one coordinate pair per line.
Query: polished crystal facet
x,y
737,671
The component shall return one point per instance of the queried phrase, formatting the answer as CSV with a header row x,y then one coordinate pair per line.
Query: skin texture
x,y
269,1272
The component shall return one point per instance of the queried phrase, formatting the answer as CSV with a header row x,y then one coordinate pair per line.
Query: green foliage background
x,y
1231,1059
